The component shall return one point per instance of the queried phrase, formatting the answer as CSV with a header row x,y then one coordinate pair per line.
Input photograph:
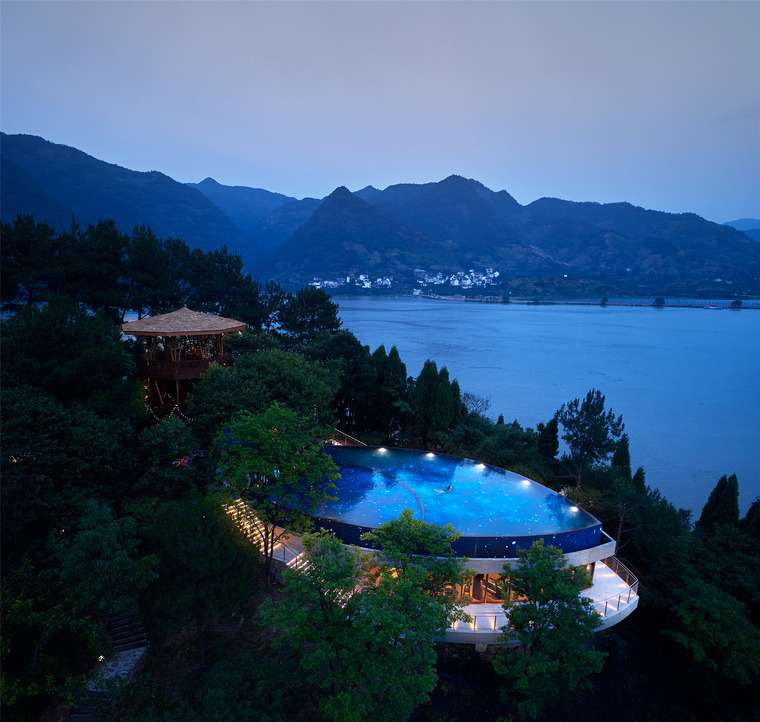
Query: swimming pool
x,y
497,511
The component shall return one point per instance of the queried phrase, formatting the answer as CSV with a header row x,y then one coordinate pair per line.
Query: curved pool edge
x,y
501,497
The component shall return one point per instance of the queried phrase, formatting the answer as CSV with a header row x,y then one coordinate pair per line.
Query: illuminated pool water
x,y
497,511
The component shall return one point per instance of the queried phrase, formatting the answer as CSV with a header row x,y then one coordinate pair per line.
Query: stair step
x,y
131,645
125,624
127,634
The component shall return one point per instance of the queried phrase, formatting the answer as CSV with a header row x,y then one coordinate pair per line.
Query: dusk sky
x,y
655,103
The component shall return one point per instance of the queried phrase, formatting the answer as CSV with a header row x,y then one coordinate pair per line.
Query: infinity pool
x,y
497,511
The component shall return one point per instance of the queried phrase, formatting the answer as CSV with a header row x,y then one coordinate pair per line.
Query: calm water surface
x,y
686,381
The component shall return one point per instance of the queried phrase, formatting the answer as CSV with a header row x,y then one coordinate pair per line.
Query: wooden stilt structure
x,y
180,346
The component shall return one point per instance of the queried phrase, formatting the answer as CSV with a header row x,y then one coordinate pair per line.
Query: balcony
x,y
614,595
191,368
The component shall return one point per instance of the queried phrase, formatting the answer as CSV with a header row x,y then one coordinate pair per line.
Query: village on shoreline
x,y
486,287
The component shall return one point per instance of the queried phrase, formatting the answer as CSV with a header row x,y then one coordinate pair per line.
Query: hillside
x,y
245,207
55,182
548,247
345,236
750,226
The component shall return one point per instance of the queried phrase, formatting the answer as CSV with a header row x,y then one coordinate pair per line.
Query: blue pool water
x,y
496,511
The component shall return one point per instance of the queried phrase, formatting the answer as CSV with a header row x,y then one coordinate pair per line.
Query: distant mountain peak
x,y
744,224
454,223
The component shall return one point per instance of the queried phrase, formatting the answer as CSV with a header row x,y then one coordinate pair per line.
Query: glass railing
x,y
615,603
492,622
346,440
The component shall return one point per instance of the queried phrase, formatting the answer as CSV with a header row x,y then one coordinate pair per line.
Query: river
x,y
685,380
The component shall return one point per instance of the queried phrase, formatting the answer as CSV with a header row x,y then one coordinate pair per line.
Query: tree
x,y
421,399
101,269
365,639
392,399
722,506
408,546
53,458
31,262
308,316
207,565
355,401
172,464
275,297
258,380
73,355
436,404
729,559
53,603
750,524
277,462
713,627
548,438
147,266
476,404
591,433
658,302
639,479
442,409
621,457
554,625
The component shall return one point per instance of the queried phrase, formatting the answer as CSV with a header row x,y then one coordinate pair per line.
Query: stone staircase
x,y
130,644
127,632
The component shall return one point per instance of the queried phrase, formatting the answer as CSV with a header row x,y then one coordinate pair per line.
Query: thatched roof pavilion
x,y
182,322
180,347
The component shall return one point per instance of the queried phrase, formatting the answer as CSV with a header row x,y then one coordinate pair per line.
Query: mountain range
x,y
453,224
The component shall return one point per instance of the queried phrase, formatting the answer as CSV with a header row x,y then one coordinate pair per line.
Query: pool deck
x,y
613,599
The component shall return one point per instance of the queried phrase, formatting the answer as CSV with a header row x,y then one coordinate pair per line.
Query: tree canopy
x,y
554,625
277,463
361,633
591,433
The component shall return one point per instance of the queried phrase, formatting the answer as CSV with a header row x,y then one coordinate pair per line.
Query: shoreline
x,y
707,304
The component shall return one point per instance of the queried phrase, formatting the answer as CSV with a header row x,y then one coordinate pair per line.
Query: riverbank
x,y
712,304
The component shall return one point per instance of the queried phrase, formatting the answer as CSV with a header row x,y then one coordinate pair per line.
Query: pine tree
x,y
750,525
621,458
722,506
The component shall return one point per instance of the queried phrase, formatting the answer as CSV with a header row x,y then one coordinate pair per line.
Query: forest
x,y
107,510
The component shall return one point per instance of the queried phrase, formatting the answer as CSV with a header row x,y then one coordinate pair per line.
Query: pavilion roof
x,y
182,322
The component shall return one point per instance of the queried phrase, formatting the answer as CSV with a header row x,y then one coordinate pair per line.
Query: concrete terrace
x,y
614,595
614,592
